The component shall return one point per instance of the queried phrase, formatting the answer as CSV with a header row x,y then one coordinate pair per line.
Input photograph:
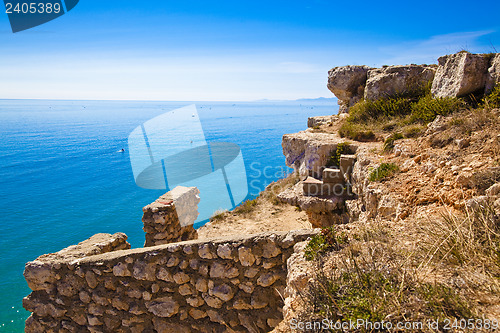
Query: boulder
x,y
493,75
320,120
308,152
348,84
460,74
392,80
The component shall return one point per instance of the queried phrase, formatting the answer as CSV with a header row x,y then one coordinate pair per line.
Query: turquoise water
x,y
62,179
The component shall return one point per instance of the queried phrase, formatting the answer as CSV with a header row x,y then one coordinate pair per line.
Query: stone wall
x,y
221,285
170,218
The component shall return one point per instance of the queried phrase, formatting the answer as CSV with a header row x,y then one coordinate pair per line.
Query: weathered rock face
x,y
460,74
374,199
308,152
170,218
194,286
347,83
319,120
493,75
392,80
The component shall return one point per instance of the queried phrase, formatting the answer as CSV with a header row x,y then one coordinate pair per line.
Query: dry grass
x,y
368,276
471,239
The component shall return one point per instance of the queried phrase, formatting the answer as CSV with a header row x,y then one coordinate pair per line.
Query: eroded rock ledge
x,y
456,75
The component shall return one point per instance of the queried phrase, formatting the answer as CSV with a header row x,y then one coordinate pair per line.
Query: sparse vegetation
x,y
374,281
492,100
397,113
413,131
329,239
334,160
356,132
470,239
383,171
246,207
218,215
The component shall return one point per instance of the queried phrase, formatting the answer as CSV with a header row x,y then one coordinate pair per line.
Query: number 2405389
x,y
33,8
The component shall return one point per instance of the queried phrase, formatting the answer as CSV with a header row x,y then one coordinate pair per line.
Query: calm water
x,y
62,180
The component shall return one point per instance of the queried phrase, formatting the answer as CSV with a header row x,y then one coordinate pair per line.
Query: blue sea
x,y
62,178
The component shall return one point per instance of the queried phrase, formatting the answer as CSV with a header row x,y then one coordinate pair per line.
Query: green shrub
x,y
428,108
389,142
383,171
492,100
356,132
327,240
334,160
366,110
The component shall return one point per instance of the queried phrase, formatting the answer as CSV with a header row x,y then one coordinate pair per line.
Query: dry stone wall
x,y
170,218
221,285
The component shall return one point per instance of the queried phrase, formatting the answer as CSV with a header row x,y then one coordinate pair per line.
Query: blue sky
x,y
229,50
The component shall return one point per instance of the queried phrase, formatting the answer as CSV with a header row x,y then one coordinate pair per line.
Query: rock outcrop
x,y
493,75
460,74
308,152
320,120
347,83
220,285
457,75
170,218
393,80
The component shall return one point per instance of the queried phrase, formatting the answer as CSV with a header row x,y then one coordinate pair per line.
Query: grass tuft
x,y
383,171
327,240
218,215
246,207
334,160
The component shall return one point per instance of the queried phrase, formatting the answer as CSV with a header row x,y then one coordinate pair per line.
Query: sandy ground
x,y
265,217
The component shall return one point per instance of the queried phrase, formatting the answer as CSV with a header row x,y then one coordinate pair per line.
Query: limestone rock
x,y
320,120
493,190
163,307
493,75
392,80
460,74
347,83
246,257
308,152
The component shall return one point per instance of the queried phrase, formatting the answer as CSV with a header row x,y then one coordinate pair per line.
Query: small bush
x,y
327,240
356,132
334,160
389,142
492,100
383,171
246,207
428,108
366,110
